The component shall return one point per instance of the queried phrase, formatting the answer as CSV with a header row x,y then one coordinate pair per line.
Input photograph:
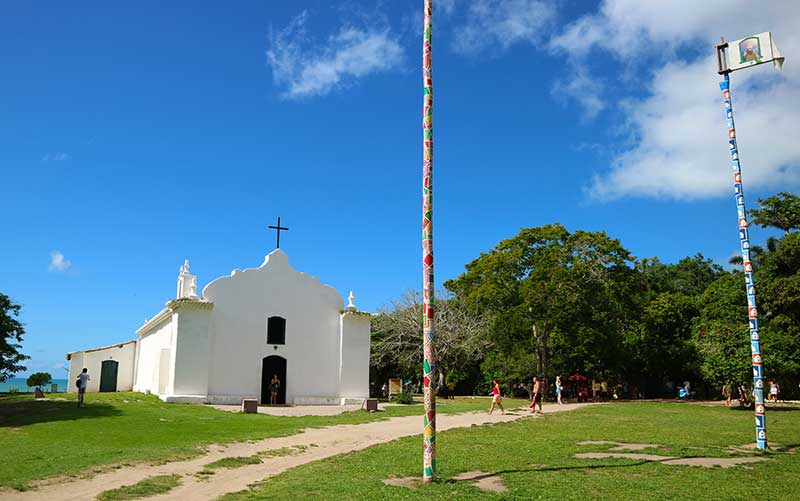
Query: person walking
x,y
558,390
774,390
82,382
537,395
727,392
497,398
274,386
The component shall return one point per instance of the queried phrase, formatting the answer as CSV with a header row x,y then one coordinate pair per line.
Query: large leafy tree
x,y
721,332
11,332
781,211
559,295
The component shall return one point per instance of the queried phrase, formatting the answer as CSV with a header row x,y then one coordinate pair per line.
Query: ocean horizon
x,y
19,384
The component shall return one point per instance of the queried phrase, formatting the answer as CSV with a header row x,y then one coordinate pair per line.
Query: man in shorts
x,y
537,395
83,382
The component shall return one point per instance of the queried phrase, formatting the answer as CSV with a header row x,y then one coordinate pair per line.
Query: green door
x,y
108,375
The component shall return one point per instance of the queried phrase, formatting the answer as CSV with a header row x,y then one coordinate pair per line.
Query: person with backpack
x,y
82,382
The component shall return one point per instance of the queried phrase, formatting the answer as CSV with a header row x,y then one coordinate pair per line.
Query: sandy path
x,y
315,443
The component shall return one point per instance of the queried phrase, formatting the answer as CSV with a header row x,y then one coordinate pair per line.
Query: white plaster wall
x,y
191,351
354,356
238,328
149,374
124,354
75,368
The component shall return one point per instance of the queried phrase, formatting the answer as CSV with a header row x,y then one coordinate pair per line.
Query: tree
x,y
558,295
461,339
780,211
11,332
720,334
39,379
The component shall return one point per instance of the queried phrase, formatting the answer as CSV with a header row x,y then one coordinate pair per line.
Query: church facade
x,y
227,344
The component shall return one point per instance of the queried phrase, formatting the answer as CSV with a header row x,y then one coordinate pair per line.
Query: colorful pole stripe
x,y
428,363
750,285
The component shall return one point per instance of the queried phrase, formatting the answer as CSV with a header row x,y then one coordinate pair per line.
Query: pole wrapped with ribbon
x,y
428,363
750,285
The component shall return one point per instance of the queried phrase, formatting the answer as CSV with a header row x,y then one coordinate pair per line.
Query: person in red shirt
x,y
497,398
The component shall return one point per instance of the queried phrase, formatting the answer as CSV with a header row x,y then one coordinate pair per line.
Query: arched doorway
x,y
270,366
108,375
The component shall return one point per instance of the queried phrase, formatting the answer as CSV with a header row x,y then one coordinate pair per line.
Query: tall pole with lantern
x,y
740,54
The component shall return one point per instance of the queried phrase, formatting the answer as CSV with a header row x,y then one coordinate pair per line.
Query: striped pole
x,y
750,285
428,363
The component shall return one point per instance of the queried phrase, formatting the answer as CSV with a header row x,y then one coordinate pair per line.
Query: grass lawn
x,y
146,488
535,458
51,438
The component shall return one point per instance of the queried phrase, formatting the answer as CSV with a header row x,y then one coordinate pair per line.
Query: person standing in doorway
x,y
83,382
497,398
274,386
537,395
558,390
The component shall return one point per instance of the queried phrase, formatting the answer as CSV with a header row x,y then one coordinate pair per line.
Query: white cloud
x,y
56,157
677,130
496,25
58,262
305,68
582,88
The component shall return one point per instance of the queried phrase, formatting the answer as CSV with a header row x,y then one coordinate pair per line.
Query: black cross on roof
x,y
278,229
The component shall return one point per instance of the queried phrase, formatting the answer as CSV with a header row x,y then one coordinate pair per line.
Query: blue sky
x,y
134,137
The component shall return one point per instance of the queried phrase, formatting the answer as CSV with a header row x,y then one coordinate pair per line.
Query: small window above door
x,y
276,330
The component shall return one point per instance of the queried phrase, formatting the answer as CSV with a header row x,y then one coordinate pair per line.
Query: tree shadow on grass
x,y
26,412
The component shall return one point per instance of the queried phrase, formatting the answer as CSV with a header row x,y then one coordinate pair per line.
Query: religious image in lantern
x,y
751,290
748,267
754,334
752,312
762,435
750,50
756,359
760,409
760,383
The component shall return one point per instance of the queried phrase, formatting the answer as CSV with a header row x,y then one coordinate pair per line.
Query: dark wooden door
x,y
269,367
108,375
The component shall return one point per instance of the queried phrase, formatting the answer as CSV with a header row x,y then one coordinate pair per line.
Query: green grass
x,y
147,487
536,459
52,438
233,462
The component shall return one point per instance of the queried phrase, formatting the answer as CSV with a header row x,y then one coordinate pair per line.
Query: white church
x,y
226,345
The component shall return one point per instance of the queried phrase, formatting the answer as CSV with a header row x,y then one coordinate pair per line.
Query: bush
x,y
403,398
39,379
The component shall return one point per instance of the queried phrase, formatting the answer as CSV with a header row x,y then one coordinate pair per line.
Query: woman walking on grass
x,y
497,398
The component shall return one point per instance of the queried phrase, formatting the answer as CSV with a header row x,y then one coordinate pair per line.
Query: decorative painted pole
x,y
750,285
428,363
739,54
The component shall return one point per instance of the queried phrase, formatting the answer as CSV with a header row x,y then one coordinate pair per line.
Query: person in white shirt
x,y
83,382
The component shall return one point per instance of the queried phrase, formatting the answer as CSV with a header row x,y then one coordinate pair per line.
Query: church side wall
x,y
191,349
123,354
242,305
149,374
354,355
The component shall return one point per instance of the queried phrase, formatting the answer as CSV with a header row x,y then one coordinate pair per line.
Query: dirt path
x,y
310,445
